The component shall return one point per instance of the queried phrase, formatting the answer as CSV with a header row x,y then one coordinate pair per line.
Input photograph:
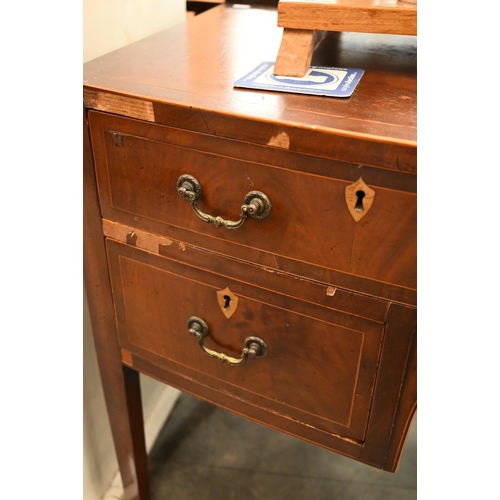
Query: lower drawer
x,y
321,363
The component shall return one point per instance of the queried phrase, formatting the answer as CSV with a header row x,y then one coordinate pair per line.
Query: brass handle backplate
x,y
254,347
255,204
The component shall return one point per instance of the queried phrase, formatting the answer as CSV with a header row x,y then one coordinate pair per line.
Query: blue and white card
x,y
319,80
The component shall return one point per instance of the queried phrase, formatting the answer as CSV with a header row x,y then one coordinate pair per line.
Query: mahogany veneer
x,y
327,280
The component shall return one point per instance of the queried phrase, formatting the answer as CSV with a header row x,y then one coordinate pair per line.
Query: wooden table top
x,y
195,64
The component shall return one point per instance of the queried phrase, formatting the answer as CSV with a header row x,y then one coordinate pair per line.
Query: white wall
x,y
109,25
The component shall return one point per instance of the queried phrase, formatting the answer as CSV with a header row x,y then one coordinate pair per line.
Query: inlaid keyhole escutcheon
x,y
359,204
359,199
228,302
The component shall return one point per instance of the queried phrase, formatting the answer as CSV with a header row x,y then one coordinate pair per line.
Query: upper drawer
x,y
138,165
321,363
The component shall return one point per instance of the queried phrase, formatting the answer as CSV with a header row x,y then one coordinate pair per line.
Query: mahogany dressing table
x,y
254,249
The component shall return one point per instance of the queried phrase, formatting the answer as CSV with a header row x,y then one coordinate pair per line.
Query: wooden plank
x,y
118,104
295,53
361,16
407,407
120,385
397,362
303,289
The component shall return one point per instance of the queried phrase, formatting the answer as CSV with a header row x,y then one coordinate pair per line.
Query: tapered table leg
x,y
123,400
120,383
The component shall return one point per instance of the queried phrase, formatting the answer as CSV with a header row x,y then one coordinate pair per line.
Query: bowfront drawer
x,y
313,363
299,209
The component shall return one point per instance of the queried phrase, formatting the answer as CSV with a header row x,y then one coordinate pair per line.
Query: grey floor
x,y
205,453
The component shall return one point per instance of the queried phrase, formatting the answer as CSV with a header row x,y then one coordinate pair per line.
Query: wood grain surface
x,y
295,52
192,86
332,295
388,423
137,175
365,16
337,358
120,385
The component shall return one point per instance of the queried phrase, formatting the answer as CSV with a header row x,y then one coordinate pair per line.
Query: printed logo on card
x,y
335,82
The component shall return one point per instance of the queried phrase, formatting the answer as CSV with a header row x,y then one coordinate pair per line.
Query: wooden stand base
x,y
296,50
305,21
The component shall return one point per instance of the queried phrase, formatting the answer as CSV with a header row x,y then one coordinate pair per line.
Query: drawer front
x,y
138,165
321,364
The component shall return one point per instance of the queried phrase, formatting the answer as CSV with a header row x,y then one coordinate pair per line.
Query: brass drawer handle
x,y
254,347
255,204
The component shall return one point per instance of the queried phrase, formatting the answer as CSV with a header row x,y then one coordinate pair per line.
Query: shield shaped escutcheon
x,y
228,302
359,199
